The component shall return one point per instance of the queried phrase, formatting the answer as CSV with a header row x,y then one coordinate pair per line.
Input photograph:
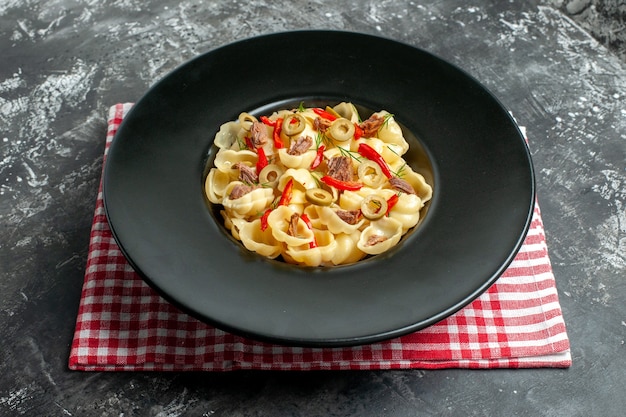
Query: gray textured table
x,y
64,62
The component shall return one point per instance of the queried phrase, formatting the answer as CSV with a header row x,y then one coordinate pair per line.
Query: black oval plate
x,y
469,147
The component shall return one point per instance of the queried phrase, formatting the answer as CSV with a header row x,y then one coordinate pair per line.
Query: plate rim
x,y
325,342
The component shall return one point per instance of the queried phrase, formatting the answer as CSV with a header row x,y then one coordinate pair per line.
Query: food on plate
x,y
316,187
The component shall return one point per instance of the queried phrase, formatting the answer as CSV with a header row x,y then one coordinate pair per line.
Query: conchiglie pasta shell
x,y
215,185
350,200
228,224
390,228
234,230
385,193
279,220
419,184
347,251
250,204
314,217
305,255
407,210
298,196
331,152
392,153
302,255
226,159
391,132
334,223
227,135
296,161
257,240
399,167
296,207
374,143
302,179
347,111
333,148
280,113
309,115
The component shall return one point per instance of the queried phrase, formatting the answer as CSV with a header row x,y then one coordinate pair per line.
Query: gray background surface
x,y
64,62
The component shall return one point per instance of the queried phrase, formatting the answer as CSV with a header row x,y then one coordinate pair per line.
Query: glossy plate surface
x,y
467,146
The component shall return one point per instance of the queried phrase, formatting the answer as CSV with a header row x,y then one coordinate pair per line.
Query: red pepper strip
x,y
341,185
249,143
318,157
262,161
307,221
285,198
370,153
267,121
393,200
323,113
278,142
264,223
358,132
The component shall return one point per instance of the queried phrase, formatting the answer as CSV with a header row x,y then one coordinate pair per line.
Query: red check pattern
x,y
123,324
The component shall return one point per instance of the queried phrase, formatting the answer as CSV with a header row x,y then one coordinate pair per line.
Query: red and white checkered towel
x,y
123,324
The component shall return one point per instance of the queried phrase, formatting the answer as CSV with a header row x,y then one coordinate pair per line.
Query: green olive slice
x,y
370,174
347,111
318,196
269,176
373,207
293,124
341,130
